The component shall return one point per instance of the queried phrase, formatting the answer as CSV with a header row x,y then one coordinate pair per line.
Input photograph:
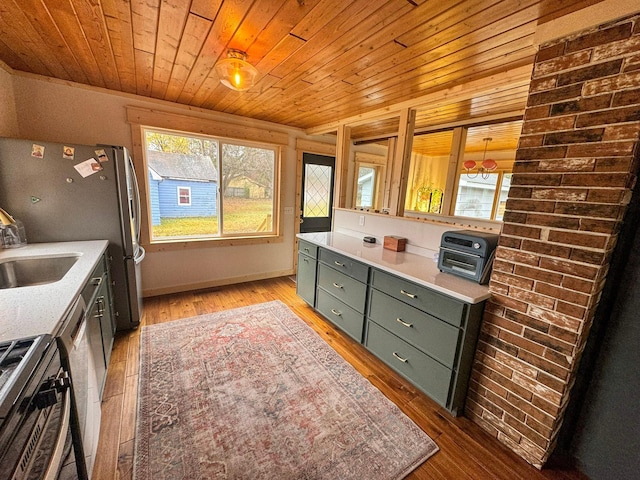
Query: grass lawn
x,y
241,215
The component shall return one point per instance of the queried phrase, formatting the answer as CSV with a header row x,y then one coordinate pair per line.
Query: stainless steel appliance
x,y
38,438
468,254
44,184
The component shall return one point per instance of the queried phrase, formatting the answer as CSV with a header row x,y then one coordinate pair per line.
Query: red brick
x,y
555,291
533,298
499,266
511,303
546,248
530,205
539,428
590,72
563,194
538,274
537,179
517,256
496,366
588,256
505,324
520,192
609,180
547,341
545,365
567,165
486,404
513,280
600,37
542,84
553,124
541,153
608,149
614,49
536,113
520,231
569,268
524,320
558,64
622,132
498,344
585,104
606,195
625,98
586,209
554,221
570,310
545,405
611,84
574,136
506,406
533,412
549,52
578,284
610,227
521,342
535,387
555,318
530,141
563,334
560,94
509,242
525,167
514,217
614,164
528,432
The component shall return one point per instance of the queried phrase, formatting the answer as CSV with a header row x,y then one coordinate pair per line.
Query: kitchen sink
x,y
25,272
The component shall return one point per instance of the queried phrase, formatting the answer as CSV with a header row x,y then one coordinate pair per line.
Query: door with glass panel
x,y
317,193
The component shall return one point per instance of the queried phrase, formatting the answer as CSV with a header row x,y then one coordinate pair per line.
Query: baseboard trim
x,y
154,292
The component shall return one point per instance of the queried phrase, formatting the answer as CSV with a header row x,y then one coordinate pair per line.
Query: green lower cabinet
x,y
428,375
339,313
306,278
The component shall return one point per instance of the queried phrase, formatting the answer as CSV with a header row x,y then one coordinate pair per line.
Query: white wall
x,y
8,117
59,112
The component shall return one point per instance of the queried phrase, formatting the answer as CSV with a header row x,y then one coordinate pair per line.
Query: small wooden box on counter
x,y
394,243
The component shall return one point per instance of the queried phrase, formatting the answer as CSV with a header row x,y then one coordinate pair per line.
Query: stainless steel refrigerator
x,y
67,192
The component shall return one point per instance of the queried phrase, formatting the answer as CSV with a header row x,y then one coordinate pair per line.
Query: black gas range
x,y
36,439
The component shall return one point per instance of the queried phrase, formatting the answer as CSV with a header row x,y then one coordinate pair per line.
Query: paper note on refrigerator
x,y
88,167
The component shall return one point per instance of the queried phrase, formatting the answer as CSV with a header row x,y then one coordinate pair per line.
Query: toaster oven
x,y
468,254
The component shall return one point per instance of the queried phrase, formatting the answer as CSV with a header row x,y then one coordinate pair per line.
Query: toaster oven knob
x,y
476,245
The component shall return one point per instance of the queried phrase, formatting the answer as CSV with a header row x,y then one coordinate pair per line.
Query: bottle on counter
x,y
12,233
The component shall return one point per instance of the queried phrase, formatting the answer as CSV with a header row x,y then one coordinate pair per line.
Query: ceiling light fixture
x,y
486,166
235,72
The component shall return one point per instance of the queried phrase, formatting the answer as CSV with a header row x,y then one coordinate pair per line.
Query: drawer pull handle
x,y
403,360
338,263
306,249
335,312
410,295
408,325
337,285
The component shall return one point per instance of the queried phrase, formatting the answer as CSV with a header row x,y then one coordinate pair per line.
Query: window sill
x,y
175,245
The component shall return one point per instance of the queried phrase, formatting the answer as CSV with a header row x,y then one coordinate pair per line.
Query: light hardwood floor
x,y
466,452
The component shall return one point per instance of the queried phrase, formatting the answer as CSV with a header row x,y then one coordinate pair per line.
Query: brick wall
x,y
572,180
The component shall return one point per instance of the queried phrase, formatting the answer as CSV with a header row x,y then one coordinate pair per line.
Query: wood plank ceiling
x,y
319,61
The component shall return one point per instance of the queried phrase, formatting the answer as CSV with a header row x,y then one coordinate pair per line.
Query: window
x,y
203,187
484,174
184,196
370,170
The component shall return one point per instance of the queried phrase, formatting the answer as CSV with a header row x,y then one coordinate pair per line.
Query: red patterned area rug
x,y
254,393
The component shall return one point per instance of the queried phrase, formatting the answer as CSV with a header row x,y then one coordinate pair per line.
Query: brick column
x,y
574,171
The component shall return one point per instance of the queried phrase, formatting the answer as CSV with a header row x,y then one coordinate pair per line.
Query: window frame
x,y
179,195
191,125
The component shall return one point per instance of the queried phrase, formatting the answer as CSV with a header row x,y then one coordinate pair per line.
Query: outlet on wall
x,y
288,210
361,221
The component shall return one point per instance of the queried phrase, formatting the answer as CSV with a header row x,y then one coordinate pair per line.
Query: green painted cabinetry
x,y
306,275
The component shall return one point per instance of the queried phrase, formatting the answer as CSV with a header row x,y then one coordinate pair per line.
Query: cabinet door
x,y
94,335
306,278
107,323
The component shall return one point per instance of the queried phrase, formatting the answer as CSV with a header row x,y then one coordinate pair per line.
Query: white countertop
x,y
417,268
39,309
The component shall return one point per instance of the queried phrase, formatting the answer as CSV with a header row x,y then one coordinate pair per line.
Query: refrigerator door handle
x,y
139,256
137,203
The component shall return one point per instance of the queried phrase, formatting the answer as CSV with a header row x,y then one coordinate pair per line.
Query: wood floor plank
x,y
466,451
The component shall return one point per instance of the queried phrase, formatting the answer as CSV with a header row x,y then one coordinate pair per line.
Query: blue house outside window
x,y
184,196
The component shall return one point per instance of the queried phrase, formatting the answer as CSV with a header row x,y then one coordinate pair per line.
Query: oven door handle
x,y
58,451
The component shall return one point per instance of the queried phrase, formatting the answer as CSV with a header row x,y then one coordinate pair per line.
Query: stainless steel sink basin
x,y
25,272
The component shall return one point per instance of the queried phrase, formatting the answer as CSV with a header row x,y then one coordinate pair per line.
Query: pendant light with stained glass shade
x,y
235,72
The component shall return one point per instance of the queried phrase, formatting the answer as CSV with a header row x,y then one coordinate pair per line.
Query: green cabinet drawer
x,y
350,291
344,264
308,248
340,314
440,306
427,374
306,278
429,334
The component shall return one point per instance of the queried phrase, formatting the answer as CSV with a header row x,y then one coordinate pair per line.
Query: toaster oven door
x,y
460,263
